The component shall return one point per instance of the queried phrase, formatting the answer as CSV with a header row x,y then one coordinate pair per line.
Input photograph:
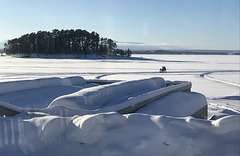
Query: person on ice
x,y
163,69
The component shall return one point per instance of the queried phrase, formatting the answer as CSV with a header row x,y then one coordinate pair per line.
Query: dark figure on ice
x,y
163,69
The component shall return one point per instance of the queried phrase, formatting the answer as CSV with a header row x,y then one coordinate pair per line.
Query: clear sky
x,y
192,24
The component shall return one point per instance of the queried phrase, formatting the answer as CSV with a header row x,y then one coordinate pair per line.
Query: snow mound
x,y
91,128
29,135
115,134
97,97
7,87
39,93
227,124
178,104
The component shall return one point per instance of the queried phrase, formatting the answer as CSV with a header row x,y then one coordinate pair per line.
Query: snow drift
x,y
115,134
39,93
178,104
14,86
97,97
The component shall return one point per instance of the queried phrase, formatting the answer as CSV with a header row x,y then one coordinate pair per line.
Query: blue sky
x,y
191,24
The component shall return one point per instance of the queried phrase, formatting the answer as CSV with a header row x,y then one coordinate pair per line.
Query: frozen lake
x,y
215,76
147,132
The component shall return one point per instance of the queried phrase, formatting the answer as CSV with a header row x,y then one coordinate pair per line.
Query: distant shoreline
x,y
180,52
188,52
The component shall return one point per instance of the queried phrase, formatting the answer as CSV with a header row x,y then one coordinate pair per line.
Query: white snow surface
x,y
39,93
115,134
100,96
176,104
8,87
154,130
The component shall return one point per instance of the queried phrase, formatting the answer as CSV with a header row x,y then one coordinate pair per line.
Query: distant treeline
x,y
78,42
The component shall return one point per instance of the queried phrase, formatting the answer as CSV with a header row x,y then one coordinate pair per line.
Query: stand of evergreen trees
x,y
77,42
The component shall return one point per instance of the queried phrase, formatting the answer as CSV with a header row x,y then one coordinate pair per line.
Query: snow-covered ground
x,y
215,76
148,132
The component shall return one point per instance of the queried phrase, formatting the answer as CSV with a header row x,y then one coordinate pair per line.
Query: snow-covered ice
x,y
153,130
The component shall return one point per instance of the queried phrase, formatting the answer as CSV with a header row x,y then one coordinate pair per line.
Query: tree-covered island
x,y
76,42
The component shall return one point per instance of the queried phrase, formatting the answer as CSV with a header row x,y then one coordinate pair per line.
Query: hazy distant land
x,y
189,52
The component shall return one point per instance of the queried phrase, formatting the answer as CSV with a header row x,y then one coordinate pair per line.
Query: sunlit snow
x,y
154,130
